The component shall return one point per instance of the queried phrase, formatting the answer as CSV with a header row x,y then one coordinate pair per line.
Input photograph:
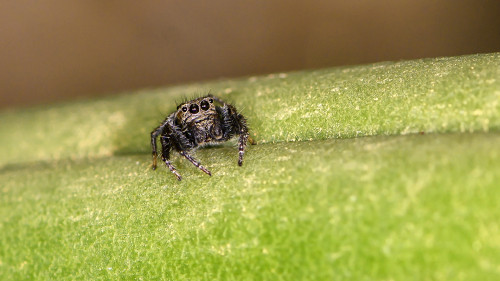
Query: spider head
x,y
198,109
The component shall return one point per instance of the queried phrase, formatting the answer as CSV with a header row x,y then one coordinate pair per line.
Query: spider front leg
x,y
196,163
165,155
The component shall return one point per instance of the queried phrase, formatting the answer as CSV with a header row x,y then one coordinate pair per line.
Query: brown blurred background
x,y
59,50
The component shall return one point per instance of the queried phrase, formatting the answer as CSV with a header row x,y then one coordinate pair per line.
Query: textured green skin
x,y
79,201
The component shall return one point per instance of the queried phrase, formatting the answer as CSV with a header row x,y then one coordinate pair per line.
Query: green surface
x,y
78,200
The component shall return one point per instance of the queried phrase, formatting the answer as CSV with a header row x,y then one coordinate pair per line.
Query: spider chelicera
x,y
196,123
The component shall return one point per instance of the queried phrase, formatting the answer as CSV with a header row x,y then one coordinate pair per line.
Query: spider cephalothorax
x,y
195,123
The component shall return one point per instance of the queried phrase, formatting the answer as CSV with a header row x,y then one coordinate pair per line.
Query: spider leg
x,y
154,135
165,155
234,123
196,163
242,143
243,132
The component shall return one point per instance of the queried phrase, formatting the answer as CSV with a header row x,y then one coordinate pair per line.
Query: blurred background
x,y
59,50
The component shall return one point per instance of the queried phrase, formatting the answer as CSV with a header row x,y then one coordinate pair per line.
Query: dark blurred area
x,y
58,50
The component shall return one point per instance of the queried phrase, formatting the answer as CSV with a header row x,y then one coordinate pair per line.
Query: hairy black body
x,y
195,123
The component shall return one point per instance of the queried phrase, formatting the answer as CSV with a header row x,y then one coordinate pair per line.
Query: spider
x,y
196,123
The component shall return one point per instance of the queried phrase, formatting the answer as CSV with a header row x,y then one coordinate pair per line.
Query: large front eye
x,y
194,108
204,105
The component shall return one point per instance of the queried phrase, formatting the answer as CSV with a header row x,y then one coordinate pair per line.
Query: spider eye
x,y
194,108
204,105
211,100
184,109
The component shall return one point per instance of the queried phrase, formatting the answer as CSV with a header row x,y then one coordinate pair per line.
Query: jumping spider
x,y
196,123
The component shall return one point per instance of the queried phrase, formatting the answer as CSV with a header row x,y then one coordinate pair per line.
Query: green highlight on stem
x,y
457,94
